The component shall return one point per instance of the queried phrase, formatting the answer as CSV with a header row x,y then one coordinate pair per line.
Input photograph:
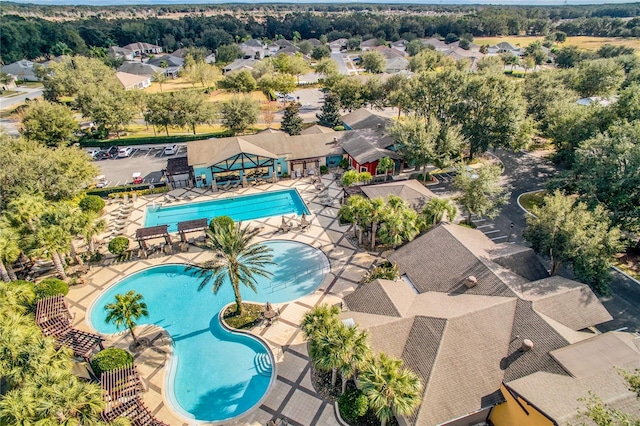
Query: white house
x,y
133,81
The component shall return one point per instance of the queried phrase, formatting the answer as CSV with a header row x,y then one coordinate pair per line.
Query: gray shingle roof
x,y
364,147
437,261
361,300
362,118
520,260
411,191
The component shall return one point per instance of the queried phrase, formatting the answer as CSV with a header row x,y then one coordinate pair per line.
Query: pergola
x,y
122,388
144,234
191,226
54,319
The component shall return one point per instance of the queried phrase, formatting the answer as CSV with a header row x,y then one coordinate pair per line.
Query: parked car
x,y
125,152
113,151
170,149
92,152
101,155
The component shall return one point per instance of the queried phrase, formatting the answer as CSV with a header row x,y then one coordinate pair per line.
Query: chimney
x,y
471,281
527,345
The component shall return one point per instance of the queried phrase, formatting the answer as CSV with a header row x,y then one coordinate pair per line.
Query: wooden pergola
x,y
122,388
187,226
54,319
144,234
243,162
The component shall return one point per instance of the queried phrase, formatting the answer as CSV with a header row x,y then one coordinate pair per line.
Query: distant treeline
x,y
30,38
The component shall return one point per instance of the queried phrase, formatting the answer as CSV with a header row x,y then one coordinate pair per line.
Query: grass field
x,y
583,42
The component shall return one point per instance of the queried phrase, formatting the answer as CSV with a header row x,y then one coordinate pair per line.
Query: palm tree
x,y
16,297
436,208
356,355
319,318
53,241
385,164
92,228
25,210
9,253
328,350
126,310
356,210
376,213
400,222
237,259
391,389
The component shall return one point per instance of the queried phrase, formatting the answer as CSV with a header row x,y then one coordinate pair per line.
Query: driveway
x,y
339,60
29,93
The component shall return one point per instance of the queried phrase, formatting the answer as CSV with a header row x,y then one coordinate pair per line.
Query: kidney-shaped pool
x,y
215,374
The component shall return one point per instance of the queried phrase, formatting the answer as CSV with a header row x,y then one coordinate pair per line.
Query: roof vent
x,y
471,281
379,125
527,345
335,139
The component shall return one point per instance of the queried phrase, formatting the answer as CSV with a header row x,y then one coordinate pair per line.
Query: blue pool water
x,y
215,374
245,207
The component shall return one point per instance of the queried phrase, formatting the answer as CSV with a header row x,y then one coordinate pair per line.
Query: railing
x,y
323,269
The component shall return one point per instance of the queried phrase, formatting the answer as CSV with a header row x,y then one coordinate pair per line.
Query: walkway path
x,y
292,395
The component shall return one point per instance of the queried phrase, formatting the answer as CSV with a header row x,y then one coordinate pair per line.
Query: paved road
x,y
339,60
30,93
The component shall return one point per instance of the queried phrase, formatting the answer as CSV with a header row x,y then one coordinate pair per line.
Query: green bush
x,y
220,221
338,128
51,287
324,170
118,245
344,163
87,141
353,404
139,192
141,189
110,359
285,175
91,203
387,271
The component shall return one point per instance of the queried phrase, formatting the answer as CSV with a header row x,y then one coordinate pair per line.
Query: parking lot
x,y
149,160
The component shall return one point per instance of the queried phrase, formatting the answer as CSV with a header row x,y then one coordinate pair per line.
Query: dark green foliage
x,y
324,170
386,271
240,81
51,287
320,52
92,203
159,187
118,245
221,221
291,121
229,53
344,163
154,140
330,114
110,359
353,404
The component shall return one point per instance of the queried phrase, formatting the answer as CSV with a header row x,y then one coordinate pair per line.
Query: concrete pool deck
x,y
292,395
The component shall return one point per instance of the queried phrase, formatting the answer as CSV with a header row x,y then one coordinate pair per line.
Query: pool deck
x,y
292,394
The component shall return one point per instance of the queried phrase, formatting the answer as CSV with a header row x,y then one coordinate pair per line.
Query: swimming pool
x,y
215,374
245,207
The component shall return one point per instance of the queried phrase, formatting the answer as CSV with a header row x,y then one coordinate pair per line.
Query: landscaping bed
x,y
251,316
533,199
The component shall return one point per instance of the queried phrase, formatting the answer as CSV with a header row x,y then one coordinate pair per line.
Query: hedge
x,y
91,203
353,404
51,287
87,141
110,359
104,192
156,190
221,221
118,245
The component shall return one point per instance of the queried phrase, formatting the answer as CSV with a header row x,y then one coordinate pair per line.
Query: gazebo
x,y
151,232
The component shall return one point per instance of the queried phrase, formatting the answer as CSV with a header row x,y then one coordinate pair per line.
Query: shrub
x,y
324,170
118,245
339,128
387,271
51,287
344,163
221,221
141,189
91,203
110,359
285,175
353,404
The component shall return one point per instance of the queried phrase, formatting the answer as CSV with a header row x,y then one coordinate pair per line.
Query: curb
x,y
338,416
525,193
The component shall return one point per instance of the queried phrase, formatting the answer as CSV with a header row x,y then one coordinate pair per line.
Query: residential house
x,y
121,53
368,44
282,43
437,44
209,59
21,70
471,317
133,81
389,53
505,47
171,64
395,65
239,64
412,192
139,68
338,45
143,49
314,42
400,45
254,49
459,54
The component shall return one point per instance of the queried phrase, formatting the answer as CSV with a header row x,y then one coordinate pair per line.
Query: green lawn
x,y
10,93
533,199
31,84
251,316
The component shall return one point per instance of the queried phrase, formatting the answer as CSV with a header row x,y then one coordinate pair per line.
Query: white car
x,y
125,152
171,149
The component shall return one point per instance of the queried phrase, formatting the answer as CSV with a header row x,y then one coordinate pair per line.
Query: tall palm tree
x,y
376,213
237,258
9,252
400,223
16,297
356,210
93,227
436,208
385,164
320,317
126,310
53,241
25,210
328,350
356,355
391,388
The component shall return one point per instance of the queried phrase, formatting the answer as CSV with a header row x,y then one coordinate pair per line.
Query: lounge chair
x,y
226,186
235,185
304,224
167,199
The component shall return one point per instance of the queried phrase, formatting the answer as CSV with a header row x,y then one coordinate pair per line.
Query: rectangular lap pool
x,y
240,208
